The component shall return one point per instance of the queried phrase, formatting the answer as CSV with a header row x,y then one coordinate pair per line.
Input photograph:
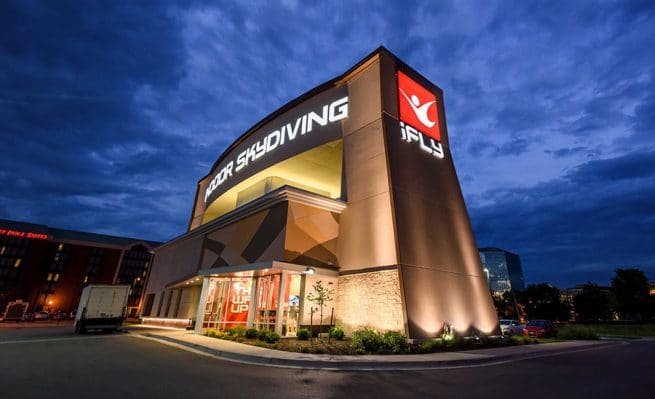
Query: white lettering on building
x,y
333,112
427,144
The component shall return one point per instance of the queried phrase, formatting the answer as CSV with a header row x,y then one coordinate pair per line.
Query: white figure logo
x,y
421,111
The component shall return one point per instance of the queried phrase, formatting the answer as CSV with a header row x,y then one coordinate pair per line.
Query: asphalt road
x,y
55,363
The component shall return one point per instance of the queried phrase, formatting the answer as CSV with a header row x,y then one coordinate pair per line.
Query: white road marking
x,y
30,341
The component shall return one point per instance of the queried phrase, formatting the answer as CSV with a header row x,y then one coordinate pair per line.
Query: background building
x,y
503,270
48,267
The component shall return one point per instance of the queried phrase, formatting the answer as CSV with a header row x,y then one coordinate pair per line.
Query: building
x,y
351,184
503,270
48,267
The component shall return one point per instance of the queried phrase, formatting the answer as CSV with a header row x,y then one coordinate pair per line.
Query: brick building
x,y
48,267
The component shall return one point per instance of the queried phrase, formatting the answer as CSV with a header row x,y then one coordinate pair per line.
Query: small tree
x,y
320,296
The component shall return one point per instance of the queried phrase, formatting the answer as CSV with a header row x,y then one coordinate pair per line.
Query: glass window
x,y
228,303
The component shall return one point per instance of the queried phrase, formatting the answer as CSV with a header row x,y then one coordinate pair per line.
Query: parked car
x,y
511,327
60,315
42,315
540,328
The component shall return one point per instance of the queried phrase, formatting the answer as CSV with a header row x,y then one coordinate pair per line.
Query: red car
x,y
540,328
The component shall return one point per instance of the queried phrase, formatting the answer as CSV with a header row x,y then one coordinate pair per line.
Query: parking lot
x,y
48,360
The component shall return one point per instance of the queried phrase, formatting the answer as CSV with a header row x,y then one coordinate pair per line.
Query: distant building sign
x,y
23,234
419,115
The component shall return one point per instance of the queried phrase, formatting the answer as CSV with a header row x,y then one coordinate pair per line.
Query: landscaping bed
x,y
365,341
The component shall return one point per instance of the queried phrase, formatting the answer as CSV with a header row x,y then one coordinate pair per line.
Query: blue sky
x,y
110,113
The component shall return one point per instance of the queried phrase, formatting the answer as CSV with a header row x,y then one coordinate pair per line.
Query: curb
x,y
368,365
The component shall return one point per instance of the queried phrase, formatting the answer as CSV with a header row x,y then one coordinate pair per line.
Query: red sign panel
x,y
23,234
418,106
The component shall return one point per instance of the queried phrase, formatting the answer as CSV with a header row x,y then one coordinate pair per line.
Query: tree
x,y
593,303
320,296
632,291
506,305
542,301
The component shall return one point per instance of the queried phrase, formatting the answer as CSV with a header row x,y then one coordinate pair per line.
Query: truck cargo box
x,y
101,307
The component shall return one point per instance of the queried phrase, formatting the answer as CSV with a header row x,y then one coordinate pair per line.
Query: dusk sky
x,y
110,113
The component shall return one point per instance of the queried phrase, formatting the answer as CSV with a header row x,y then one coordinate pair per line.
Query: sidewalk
x,y
233,351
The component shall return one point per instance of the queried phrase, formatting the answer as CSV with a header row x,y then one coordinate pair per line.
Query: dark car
x,y
540,328
42,315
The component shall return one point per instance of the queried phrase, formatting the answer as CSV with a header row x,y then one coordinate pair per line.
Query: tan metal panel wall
x,y
366,234
173,262
442,276
189,302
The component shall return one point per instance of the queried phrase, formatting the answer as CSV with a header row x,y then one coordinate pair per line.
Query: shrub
x,y
394,341
529,340
490,341
272,337
514,340
337,333
303,334
210,333
252,333
429,346
268,336
236,331
366,340
576,332
262,335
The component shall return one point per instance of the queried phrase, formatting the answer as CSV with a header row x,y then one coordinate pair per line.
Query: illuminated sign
x,y
23,234
314,115
419,116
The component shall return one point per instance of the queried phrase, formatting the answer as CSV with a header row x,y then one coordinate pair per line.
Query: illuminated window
x,y
2,250
17,263
318,170
56,278
86,279
60,247
49,277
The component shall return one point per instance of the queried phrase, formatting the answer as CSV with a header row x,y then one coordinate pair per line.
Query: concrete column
x,y
280,302
252,304
201,305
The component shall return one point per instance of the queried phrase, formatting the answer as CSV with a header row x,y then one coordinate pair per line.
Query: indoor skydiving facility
x,y
350,187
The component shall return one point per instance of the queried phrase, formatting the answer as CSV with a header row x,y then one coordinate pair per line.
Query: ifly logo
x,y
418,106
419,115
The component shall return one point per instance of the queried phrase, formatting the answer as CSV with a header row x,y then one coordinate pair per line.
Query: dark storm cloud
x,y
66,98
563,152
597,217
111,112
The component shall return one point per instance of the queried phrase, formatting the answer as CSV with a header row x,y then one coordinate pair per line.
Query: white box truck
x,y
101,307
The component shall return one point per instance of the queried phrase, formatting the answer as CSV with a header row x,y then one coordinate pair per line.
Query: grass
x,y
614,330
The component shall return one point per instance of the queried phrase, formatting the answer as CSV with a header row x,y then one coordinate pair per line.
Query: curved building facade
x,y
351,185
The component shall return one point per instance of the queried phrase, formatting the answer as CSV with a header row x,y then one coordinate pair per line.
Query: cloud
x,y
599,213
110,113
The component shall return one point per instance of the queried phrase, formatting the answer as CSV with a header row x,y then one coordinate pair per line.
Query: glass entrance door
x,y
291,305
268,288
